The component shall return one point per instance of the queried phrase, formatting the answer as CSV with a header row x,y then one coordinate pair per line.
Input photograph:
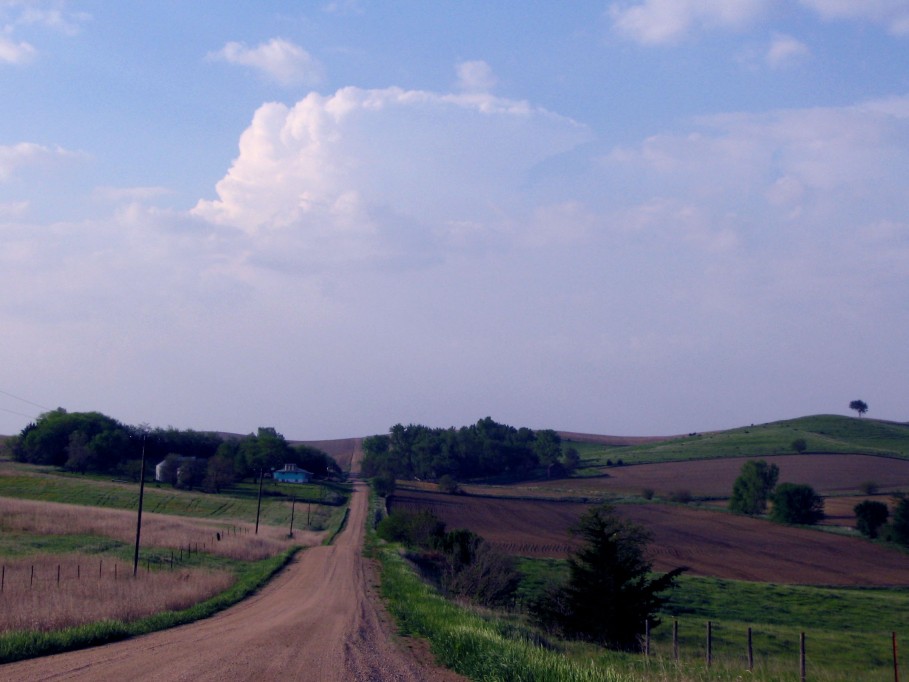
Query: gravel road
x,y
317,620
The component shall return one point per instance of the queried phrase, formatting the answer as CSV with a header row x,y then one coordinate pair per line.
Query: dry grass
x,y
83,596
158,530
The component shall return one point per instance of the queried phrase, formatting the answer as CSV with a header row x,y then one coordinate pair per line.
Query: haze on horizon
x,y
631,217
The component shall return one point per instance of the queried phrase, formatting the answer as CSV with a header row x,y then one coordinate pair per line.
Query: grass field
x,y
322,502
822,433
67,542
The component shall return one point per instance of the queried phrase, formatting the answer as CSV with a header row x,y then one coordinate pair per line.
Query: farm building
x,y
159,467
291,473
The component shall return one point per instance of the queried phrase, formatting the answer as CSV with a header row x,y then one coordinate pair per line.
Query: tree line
x,y
93,442
484,449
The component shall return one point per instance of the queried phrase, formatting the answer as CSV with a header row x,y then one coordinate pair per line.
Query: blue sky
x,y
626,217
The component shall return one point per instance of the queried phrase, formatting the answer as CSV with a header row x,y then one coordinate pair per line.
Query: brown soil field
x,y
341,449
827,474
710,543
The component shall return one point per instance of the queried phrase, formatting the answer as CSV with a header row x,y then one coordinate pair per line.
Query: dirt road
x,y
315,621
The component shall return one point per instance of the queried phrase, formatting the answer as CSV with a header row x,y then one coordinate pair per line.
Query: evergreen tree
x,y
609,596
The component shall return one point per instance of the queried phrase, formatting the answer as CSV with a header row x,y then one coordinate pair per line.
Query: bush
x,y
680,496
648,493
899,527
448,484
384,483
414,529
797,503
869,488
870,516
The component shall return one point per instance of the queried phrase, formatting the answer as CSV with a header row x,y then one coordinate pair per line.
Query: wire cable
x,y
43,407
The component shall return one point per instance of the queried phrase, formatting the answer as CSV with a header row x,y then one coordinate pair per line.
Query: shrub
x,y
797,503
414,529
448,484
648,493
899,527
384,483
680,496
869,488
870,516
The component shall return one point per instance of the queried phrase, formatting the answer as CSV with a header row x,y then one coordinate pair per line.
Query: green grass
x,y
251,576
822,433
238,503
848,630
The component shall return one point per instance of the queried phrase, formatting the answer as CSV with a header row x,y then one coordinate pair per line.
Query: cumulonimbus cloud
x,y
362,170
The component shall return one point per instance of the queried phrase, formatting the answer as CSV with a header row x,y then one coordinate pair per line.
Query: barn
x,y
291,473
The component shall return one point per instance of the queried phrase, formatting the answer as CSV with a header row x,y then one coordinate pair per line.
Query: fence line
x,y
803,657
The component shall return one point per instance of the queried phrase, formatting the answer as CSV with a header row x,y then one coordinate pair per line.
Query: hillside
x,y
822,434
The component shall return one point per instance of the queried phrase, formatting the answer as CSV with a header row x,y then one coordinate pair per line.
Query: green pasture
x,y
848,632
323,501
822,433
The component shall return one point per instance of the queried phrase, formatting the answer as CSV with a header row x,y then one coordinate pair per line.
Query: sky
x,y
627,217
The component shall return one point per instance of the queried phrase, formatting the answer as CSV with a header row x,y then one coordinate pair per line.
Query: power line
x,y
20,414
43,407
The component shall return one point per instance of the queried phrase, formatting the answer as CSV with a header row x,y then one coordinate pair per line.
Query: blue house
x,y
291,473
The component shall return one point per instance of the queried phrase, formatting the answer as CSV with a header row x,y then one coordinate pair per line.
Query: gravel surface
x,y
318,619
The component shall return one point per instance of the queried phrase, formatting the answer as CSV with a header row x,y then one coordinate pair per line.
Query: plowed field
x,y
828,474
710,543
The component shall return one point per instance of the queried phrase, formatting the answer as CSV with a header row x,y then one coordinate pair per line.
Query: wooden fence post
x,y
709,643
647,637
31,580
750,653
2,578
896,662
802,657
675,639
58,575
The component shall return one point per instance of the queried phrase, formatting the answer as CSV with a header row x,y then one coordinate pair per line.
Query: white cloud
x,y
25,154
475,76
892,14
784,50
13,52
377,173
659,22
279,60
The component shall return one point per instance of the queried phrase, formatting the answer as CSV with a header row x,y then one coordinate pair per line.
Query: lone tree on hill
x,y
859,406
753,486
610,595
800,445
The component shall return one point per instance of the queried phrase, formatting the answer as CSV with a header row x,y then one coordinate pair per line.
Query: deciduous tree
x,y
753,487
859,406
796,503
870,515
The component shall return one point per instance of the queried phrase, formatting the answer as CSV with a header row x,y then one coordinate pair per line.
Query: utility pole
x,y
141,495
259,503
293,505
